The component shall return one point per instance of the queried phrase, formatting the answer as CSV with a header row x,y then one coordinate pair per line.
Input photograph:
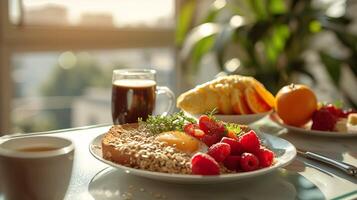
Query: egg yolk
x,y
179,140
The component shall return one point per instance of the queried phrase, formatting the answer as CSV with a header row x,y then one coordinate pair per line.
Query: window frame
x,y
20,38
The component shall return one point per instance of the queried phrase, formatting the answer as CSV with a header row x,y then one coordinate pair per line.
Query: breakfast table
x,y
302,179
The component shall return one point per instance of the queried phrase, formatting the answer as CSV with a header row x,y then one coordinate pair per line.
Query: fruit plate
x,y
285,153
238,119
306,129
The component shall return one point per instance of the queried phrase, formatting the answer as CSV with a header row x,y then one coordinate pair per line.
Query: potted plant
x,y
267,39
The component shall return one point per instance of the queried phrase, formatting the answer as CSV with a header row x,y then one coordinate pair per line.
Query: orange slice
x,y
239,103
264,93
255,102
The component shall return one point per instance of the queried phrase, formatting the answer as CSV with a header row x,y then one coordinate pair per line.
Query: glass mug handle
x,y
171,97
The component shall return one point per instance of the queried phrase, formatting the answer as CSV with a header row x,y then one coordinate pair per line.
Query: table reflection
x,y
282,184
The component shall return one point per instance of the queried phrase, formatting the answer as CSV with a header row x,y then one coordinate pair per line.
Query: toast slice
x,y
133,146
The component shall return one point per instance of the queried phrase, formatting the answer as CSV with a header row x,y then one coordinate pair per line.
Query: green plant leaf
x,y
276,6
215,10
185,19
196,35
343,20
332,65
201,48
260,8
259,30
352,62
348,40
351,102
315,26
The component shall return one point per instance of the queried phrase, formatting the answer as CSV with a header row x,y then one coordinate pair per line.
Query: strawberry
x,y
249,162
236,147
209,140
203,164
232,162
190,128
250,142
210,126
219,151
232,134
323,120
198,133
193,130
265,157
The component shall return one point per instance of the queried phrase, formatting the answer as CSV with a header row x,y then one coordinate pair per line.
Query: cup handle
x,y
171,97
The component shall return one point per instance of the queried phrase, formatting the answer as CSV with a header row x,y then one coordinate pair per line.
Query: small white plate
x,y
306,129
238,119
285,153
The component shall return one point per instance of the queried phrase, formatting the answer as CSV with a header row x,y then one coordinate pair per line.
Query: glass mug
x,y
134,95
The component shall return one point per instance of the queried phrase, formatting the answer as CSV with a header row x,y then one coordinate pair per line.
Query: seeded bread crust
x,y
109,149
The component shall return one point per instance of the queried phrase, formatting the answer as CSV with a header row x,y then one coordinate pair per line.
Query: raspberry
x,y
209,140
236,147
219,151
232,162
345,113
203,164
334,110
250,142
265,157
249,162
323,120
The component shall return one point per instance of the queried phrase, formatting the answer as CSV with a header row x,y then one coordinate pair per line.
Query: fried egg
x,y
182,141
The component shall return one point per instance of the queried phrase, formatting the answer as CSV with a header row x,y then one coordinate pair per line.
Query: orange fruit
x,y
255,102
264,93
295,104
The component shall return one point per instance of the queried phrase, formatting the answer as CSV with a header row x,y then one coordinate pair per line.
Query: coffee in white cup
x,y
35,167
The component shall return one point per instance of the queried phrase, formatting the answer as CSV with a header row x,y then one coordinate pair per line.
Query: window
x,y
102,13
79,41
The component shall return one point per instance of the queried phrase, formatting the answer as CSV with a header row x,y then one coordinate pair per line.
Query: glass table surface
x,y
302,179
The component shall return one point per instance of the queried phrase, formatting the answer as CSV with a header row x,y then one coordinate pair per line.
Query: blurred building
x,y
46,15
93,107
96,20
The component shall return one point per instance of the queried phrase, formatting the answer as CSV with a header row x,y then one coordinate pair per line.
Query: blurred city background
x,y
57,56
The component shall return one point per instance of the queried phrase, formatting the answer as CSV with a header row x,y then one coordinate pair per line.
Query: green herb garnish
x,y
235,128
338,104
211,113
174,122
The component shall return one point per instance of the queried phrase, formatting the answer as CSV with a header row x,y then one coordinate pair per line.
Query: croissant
x,y
234,94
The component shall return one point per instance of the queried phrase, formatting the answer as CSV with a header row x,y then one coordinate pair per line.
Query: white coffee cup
x,y
35,167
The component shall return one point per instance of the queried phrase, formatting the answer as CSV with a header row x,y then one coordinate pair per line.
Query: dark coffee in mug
x,y
132,99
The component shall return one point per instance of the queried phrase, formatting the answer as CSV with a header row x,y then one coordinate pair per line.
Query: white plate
x,y
285,153
306,129
239,119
